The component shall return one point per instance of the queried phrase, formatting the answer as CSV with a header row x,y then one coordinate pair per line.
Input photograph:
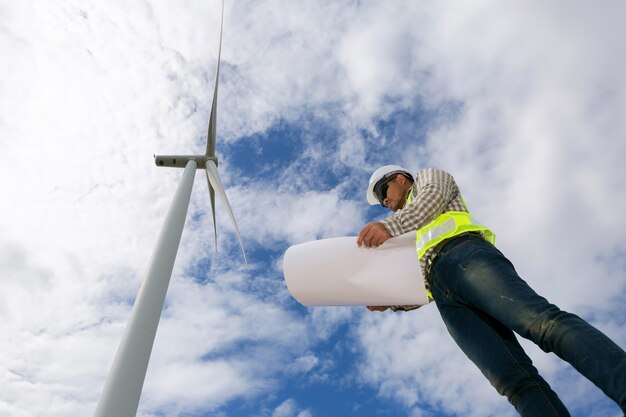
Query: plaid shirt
x,y
434,192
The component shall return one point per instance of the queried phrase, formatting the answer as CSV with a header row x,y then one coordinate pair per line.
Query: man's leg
x,y
499,356
480,276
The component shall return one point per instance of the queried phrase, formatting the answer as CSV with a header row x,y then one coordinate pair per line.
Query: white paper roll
x,y
336,272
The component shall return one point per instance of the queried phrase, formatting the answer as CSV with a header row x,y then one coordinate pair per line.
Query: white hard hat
x,y
382,173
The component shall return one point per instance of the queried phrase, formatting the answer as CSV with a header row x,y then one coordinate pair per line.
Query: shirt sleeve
x,y
432,190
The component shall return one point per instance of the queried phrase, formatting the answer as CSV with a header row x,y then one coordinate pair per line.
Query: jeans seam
x,y
555,412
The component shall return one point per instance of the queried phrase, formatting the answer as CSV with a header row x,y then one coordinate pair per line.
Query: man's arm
x,y
373,235
433,189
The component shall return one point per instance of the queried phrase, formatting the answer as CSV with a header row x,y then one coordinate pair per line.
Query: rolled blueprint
x,y
336,272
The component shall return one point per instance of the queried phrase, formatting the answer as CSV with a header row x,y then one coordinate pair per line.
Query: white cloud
x,y
289,408
302,364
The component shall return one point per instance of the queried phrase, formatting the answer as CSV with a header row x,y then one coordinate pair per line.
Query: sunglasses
x,y
380,189
383,192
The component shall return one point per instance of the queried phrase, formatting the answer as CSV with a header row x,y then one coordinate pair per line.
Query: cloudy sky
x,y
523,102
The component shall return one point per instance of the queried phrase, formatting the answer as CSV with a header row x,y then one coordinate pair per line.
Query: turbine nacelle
x,y
180,161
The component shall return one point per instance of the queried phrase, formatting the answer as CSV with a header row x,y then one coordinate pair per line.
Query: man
x,y
480,297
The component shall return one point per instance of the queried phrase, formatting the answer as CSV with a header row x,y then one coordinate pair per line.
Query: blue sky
x,y
522,102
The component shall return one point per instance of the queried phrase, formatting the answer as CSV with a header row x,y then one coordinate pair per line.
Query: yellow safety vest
x,y
446,226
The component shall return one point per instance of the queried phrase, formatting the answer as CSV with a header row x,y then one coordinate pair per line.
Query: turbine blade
x,y
216,182
210,143
212,197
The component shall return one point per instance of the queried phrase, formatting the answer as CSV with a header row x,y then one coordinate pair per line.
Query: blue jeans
x,y
482,301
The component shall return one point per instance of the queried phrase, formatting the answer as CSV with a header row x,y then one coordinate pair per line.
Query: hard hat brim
x,y
371,197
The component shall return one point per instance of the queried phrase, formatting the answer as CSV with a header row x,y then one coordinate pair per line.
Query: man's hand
x,y
373,235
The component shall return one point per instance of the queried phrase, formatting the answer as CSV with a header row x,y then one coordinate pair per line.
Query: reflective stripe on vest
x,y
446,226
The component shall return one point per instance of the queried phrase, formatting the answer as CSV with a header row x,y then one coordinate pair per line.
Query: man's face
x,y
394,199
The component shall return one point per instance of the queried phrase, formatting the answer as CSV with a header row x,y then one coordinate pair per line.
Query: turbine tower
x,y
122,389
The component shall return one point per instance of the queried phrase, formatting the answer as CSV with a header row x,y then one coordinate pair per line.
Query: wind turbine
x,y
122,389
